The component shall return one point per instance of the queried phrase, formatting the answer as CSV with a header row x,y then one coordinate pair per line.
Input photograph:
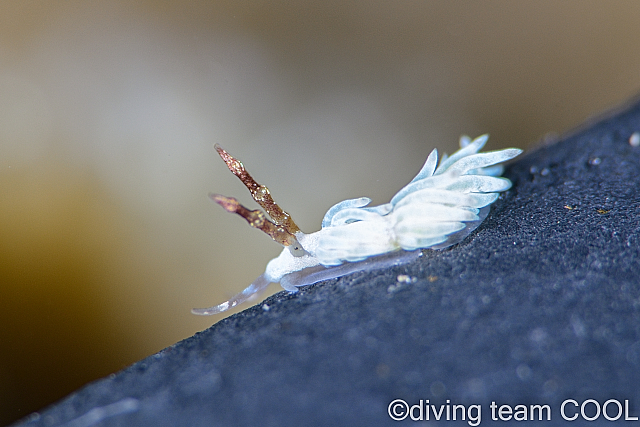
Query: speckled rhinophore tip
x,y
256,219
260,193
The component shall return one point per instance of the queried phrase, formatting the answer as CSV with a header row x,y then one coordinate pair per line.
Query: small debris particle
x,y
634,139
403,278
603,211
432,278
595,161
569,207
544,172
266,307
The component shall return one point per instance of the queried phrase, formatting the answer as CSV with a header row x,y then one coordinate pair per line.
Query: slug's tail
x,y
253,290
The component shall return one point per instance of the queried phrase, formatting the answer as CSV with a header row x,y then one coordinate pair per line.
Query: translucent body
x,y
437,209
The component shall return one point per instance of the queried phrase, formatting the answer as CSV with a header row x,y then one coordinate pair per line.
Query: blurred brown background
x,y
109,110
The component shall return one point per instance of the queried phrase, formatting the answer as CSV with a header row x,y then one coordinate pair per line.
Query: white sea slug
x,y
438,208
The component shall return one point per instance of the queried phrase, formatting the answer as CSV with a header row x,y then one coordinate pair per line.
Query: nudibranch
x,y
438,208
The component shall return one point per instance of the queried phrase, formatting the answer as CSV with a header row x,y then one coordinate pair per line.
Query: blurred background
x,y
109,111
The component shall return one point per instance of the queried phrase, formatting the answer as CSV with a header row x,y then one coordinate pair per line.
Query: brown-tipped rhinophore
x,y
260,193
256,219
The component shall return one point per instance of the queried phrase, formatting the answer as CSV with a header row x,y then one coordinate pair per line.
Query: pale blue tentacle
x,y
429,166
254,289
345,204
471,148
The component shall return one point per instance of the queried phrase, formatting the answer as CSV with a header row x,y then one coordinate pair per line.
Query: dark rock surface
x,y
540,304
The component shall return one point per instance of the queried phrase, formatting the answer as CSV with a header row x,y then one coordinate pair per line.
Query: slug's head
x,y
296,249
281,227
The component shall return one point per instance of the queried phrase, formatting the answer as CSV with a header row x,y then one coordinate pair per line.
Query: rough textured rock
x,y
539,305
